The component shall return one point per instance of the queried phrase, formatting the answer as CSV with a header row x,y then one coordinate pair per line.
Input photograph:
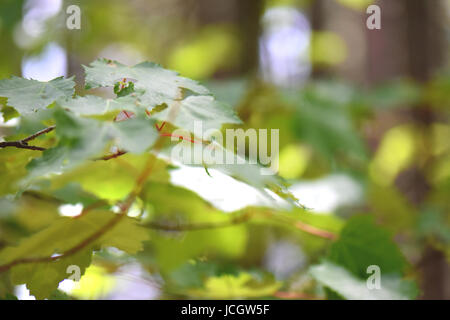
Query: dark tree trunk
x,y
411,43
426,41
246,15
249,15
317,16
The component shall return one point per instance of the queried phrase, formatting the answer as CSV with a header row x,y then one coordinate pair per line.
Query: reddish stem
x,y
179,137
161,127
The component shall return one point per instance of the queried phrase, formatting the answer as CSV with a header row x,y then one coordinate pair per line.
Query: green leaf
x,y
94,105
9,113
35,213
324,119
241,286
135,135
350,287
192,274
12,168
64,234
42,279
395,94
125,90
172,204
127,235
84,139
113,179
361,244
156,84
28,96
206,109
80,140
9,296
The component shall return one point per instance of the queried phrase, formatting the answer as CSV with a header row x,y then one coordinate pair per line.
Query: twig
x,y
242,218
20,145
23,144
305,227
315,231
37,134
112,156
199,226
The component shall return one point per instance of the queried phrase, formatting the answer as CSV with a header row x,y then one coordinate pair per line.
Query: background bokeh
x,y
363,114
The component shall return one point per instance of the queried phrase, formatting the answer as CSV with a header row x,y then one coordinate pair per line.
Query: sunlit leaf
x,y
241,286
208,112
63,235
158,85
28,96
351,287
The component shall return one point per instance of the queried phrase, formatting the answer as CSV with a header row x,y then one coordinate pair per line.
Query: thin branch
x,y
42,196
37,134
242,218
112,156
20,145
199,226
23,144
121,152
303,226
315,231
